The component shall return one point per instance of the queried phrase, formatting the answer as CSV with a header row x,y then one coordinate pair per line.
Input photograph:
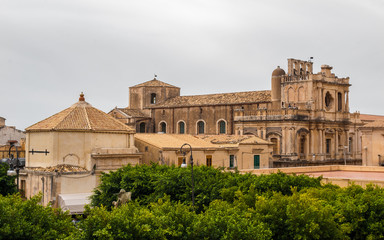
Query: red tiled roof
x,y
216,99
154,83
369,117
134,112
80,117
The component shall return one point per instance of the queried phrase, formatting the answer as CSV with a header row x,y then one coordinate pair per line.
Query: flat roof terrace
x,y
336,174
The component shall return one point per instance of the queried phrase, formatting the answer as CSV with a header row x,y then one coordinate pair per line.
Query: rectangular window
x,y
256,161
328,145
209,160
179,161
181,128
231,161
22,188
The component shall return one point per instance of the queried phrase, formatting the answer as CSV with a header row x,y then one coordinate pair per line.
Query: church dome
x,y
278,72
82,117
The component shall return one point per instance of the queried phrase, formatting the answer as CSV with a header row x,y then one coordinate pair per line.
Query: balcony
x,y
265,114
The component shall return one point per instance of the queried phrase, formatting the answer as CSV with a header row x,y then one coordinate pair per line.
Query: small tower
x,y
276,87
151,92
298,67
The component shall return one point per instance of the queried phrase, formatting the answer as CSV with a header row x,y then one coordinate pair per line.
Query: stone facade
x,y
10,133
228,151
305,115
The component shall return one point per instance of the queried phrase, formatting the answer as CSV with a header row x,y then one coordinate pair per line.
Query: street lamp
x,y
184,165
14,171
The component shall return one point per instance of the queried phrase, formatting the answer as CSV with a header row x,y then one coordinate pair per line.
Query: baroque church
x,y
305,115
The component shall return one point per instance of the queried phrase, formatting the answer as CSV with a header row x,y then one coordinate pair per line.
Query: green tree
x,y
7,183
150,183
27,219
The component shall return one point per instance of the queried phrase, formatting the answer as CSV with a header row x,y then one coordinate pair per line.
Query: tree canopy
x,y
229,205
7,183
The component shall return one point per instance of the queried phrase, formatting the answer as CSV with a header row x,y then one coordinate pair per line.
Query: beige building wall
x,y
244,155
51,184
72,148
373,146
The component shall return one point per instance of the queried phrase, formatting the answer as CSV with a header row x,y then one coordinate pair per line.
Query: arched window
x,y
200,127
301,94
275,145
181,127
328,100
291,95
142,128
153,98
222,127
339,101
302,145
163,127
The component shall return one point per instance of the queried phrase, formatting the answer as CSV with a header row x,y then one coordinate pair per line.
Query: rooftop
x,y
61,168
174,141
374,124
232,140
370,117
81,116
154,83
136,113
217,99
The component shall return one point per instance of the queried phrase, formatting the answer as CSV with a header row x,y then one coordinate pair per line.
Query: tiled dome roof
x,y
81,116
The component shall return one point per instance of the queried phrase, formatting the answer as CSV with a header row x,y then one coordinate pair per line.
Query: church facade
x,y
305,114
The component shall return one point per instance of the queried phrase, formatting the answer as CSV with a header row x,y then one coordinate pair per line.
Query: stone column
x,y
289,141
347,103
321,143
347,143
312,139
293,140
336,143
283,140
131,140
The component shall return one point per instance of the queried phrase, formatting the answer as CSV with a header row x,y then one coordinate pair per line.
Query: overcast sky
x,y
51,50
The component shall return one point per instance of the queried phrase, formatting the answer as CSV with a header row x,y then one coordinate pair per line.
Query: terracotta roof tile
x,y
154,83
134,112
58,168
232,139
216,99
174,141
80,117
374,124
369,117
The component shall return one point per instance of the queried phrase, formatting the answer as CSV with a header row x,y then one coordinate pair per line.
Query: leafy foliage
x,y
7,183
27,219
167,220
150,183
229,205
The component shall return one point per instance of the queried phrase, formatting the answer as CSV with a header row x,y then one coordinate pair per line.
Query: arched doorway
x,y
142,127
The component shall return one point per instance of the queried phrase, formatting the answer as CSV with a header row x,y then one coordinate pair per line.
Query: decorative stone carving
x,y
122,198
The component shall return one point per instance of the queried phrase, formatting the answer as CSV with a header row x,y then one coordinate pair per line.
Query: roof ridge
x,y
47,118
164,84
64,118
87,118
115,120
210,94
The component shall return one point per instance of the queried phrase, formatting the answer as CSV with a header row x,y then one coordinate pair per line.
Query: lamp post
x,y
184,165
14,171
